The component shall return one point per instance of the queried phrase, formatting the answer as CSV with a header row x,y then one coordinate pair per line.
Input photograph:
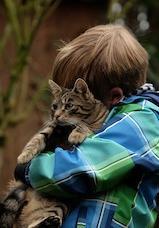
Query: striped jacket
x,y
114,172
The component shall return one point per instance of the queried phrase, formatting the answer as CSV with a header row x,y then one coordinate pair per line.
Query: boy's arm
x,y
101,161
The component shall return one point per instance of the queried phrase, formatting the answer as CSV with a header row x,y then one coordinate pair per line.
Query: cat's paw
x,y
36,145
76,137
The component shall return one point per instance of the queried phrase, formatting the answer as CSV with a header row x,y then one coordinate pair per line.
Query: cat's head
x,y
71,105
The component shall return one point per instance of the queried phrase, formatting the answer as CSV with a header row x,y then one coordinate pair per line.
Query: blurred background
x,y
31,31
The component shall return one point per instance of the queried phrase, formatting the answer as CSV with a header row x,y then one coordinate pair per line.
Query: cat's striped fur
x,y
77,108
25,208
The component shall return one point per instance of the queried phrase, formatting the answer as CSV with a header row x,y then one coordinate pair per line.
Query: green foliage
x,y
22,23
142,17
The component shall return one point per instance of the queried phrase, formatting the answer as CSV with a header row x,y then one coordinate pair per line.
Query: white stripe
x,y
81,223
70,177
126,115
102,212
79,173
101,201
150,150
117,162
93,171
143,105
155,154
110,203
119,223
138,128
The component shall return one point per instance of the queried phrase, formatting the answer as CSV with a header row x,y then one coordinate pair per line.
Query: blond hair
x,y
105,56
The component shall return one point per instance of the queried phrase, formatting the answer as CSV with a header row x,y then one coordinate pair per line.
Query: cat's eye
x,y
68,106
54,106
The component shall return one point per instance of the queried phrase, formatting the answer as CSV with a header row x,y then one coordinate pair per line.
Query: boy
x,y
114,172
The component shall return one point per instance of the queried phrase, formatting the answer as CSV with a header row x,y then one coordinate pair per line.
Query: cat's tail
x,y
12,204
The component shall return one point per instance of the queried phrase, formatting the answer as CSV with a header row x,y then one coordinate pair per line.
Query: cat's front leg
x,y
79,134
35,145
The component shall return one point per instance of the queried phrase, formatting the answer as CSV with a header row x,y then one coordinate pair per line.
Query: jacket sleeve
x,y
102,160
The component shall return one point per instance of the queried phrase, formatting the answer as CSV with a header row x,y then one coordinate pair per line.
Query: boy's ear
x,y
55,88
116,94
80,86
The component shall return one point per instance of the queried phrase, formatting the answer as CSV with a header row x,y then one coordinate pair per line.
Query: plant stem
x,y
11,9
23,40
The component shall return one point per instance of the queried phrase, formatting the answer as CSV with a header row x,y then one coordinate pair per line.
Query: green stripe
x,y
128,108
80,225
142,216
123,196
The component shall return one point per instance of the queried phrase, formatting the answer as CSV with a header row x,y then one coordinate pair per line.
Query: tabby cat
x,y
76,107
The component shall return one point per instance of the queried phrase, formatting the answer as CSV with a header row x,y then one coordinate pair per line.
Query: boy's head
x,y
106,57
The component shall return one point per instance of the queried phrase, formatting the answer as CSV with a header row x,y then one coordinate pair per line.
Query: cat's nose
x,y
57,115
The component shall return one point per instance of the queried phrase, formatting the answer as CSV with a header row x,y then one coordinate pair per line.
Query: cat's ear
x,y
55,88
80,86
